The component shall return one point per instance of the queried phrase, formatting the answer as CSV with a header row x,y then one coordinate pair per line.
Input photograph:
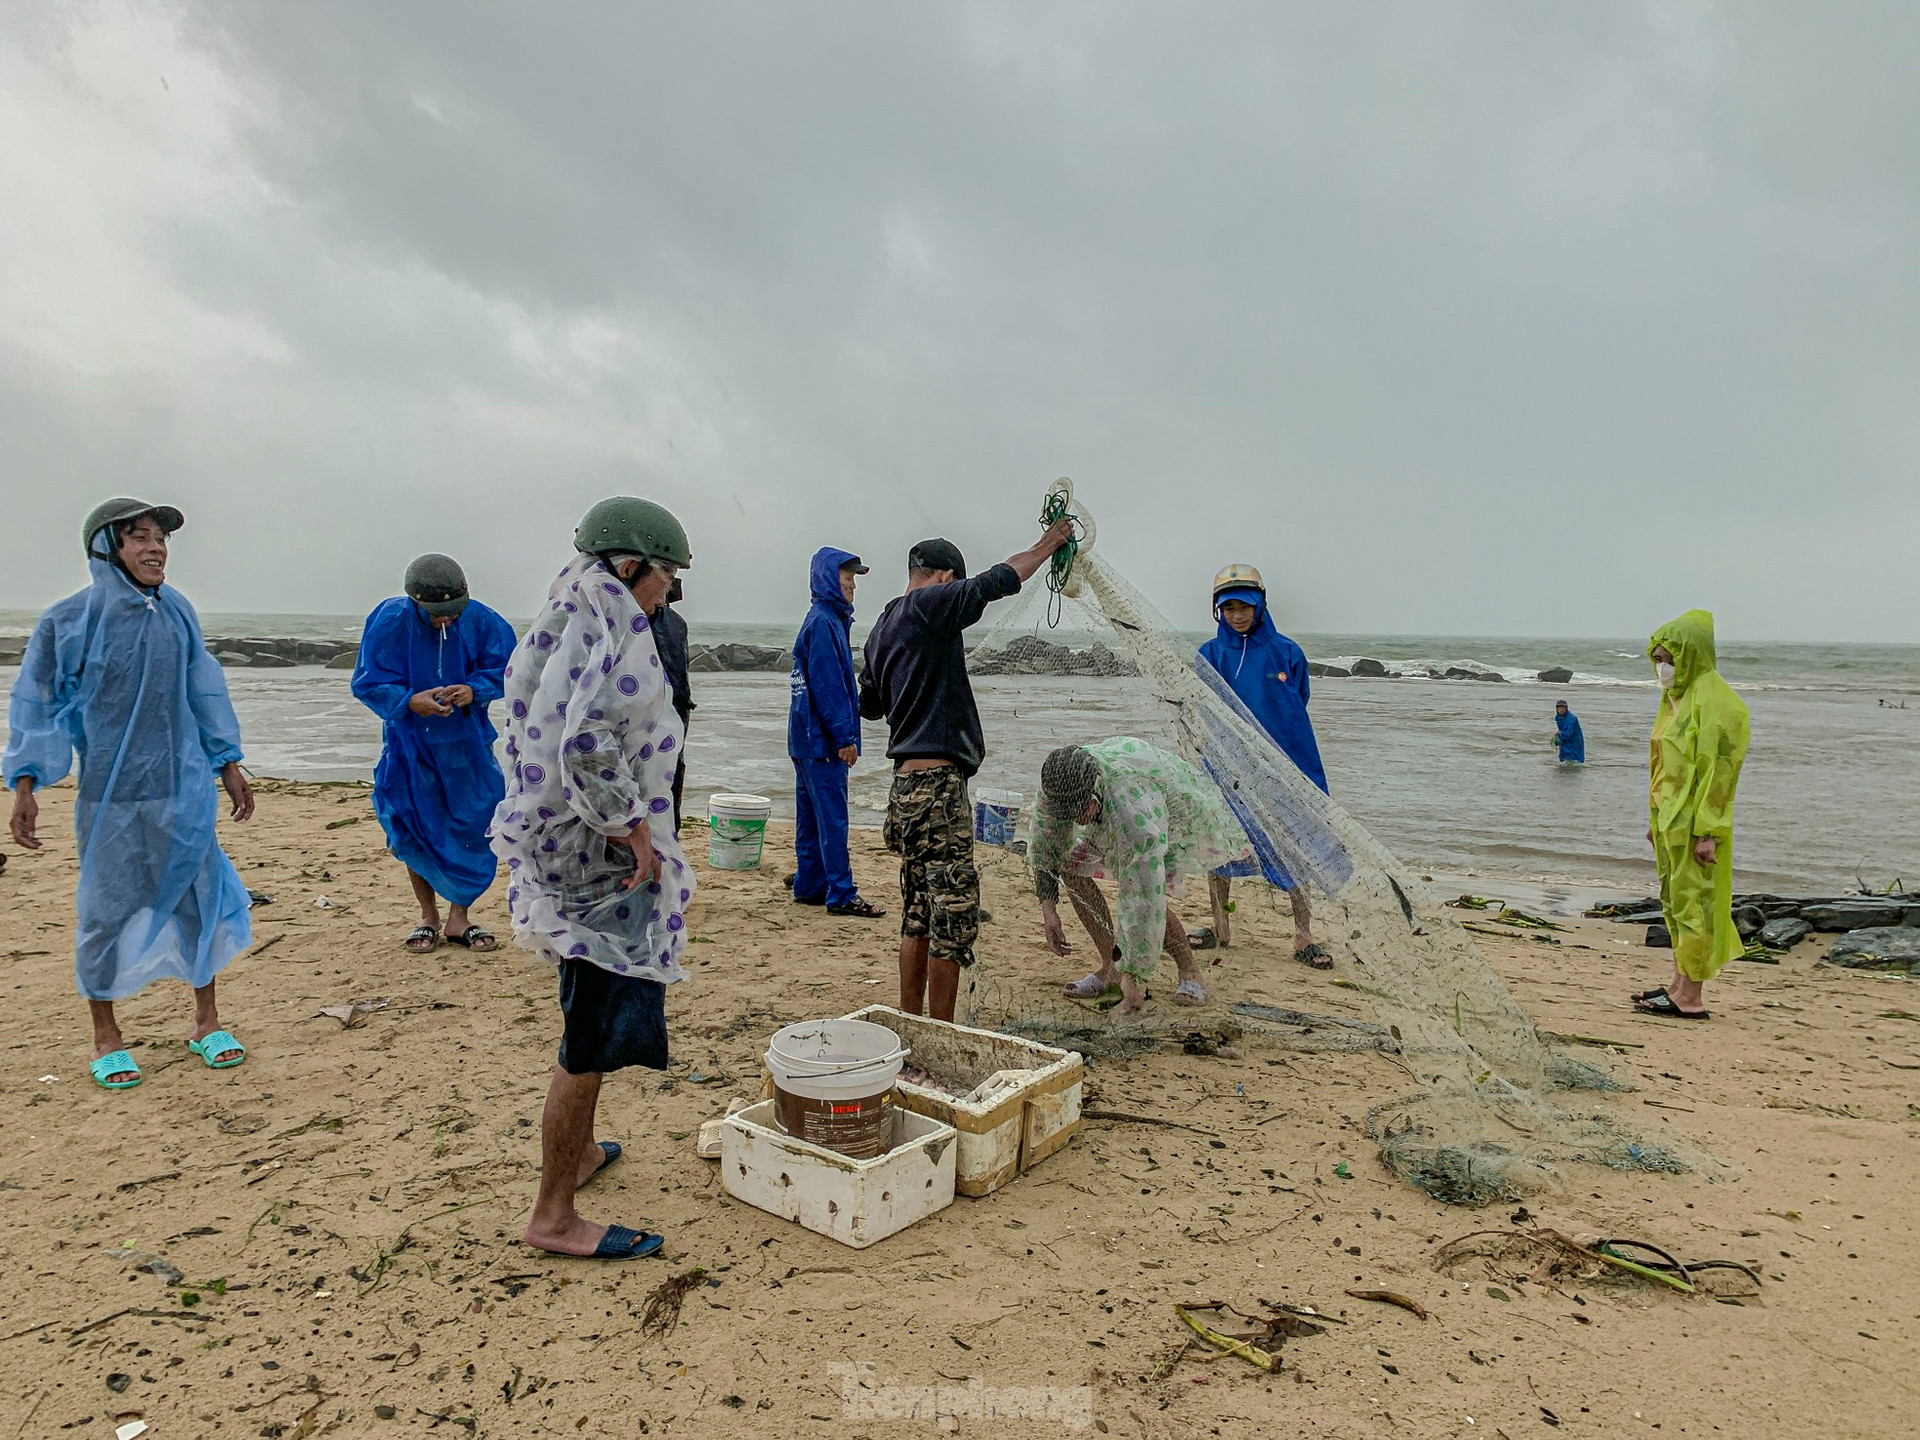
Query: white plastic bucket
x,y
996,815
833,1084
738,826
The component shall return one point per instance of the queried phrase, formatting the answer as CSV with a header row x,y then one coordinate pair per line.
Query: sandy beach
x,y
346,1207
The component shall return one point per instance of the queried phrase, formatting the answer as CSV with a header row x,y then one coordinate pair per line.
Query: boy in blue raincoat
x,y
823,738
1269,674
1566,735
120,674
431,663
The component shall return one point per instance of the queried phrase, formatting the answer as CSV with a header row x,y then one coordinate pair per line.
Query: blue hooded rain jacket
x,y
824,716
1269,674
1573,744
822,720
123,677
437,784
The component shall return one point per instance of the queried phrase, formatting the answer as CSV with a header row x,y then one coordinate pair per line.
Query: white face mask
x,y
1665,672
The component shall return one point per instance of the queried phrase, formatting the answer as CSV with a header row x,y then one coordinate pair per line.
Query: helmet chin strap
x,y
113,558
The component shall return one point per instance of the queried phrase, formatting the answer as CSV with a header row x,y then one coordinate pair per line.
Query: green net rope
x,y
1060,567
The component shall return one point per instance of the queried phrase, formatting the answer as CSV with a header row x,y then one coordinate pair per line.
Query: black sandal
x,y
610,1151
1654,994
1663,1007
1314,955
859,907
1203,939
471,937
428,933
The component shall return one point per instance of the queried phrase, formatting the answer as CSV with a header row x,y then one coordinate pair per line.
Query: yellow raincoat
x,y
1699,744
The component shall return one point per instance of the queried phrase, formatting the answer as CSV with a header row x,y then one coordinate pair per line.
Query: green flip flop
x,y
218,1043
117,1063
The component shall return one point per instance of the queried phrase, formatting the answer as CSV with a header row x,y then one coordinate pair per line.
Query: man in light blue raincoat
x,y
431,663
120,674
823,738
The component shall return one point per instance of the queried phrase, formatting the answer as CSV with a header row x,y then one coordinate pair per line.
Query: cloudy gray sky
x,y
1455,317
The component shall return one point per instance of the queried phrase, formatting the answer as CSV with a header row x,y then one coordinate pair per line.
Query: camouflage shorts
x,y
930,827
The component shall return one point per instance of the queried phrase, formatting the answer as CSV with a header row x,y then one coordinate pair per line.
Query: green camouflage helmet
x,y
121,510
634,527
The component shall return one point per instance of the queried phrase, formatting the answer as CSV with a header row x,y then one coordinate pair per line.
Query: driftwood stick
x,y
1392,1297
1126,1118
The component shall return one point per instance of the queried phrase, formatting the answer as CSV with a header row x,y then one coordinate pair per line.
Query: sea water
x,y
1452,775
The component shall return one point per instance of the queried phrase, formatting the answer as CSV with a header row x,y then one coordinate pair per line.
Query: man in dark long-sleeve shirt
x,y
670,639
916,680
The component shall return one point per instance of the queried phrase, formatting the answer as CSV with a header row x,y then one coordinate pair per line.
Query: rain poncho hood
x,y
1160,821
1699,743
1573,744
593,741
437,784
1269,674
823,715
122,676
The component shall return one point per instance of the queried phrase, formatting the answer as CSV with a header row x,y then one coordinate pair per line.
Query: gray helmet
x,y
117,512
438,585
633,527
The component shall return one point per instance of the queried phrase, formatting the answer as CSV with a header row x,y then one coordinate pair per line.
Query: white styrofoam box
x,y
853,1201
1011,1130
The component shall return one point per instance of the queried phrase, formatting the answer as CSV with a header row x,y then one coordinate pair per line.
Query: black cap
x,y
938,555
856,567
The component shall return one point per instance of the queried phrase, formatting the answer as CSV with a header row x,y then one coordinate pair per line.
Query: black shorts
x,y
612,1021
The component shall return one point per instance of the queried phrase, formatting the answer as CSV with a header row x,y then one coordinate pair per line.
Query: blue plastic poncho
x,y
823,714
123,677
1573,744
437,783
1269,674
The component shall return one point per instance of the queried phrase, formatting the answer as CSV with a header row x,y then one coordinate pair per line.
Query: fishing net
x,y
1491,1114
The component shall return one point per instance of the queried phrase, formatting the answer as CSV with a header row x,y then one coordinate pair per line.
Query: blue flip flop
x,y
218,1043
620,1243
610,1151
118,1063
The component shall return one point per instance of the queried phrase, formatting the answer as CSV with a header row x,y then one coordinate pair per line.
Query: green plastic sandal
x,y
118,1063
218,1043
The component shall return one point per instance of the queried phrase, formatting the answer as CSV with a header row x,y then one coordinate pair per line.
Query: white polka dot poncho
x,y
592,741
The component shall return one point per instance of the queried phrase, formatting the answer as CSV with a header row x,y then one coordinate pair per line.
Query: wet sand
x,y
361,1193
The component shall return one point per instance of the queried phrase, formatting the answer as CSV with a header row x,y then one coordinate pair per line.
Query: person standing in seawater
x,y
120,674
1567,735
430,666
597,884
1699,744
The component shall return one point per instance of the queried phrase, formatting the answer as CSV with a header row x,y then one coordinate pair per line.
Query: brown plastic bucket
x,y
833,1084
860,1128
